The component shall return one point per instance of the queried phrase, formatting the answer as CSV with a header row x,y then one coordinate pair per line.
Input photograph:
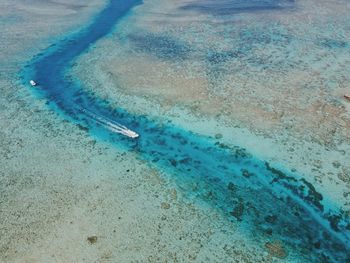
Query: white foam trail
x,y
111,125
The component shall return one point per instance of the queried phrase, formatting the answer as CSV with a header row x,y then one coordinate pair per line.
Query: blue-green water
x,y
265,200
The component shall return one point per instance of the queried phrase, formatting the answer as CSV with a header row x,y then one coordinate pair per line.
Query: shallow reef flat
x,y
65,197
202,81
269,80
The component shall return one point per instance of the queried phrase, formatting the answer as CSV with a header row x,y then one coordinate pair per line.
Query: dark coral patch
x,y
229,7
333,43
161,46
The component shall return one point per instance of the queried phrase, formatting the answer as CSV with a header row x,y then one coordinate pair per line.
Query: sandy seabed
x,y
65,197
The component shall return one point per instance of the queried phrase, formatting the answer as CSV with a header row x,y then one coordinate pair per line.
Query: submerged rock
x,y
271,219
238,210
173,162
165,205
276,249
246,173
92,239
336,164
218,136
231,186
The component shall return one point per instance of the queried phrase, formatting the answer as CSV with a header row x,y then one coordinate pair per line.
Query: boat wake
x,y
110,124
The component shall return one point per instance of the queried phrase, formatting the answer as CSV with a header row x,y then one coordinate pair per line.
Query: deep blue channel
x,y
267,202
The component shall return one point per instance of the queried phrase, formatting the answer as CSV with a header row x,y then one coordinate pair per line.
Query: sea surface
x,y
223,94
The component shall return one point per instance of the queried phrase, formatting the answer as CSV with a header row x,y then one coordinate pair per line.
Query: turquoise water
x,y
265,200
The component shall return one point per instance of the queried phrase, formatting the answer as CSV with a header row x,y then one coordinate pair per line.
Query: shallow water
x,y
266,200
227,7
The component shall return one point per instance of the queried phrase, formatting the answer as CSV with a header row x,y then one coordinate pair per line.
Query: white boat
x,y
118,128
112,125
32,82
129,133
